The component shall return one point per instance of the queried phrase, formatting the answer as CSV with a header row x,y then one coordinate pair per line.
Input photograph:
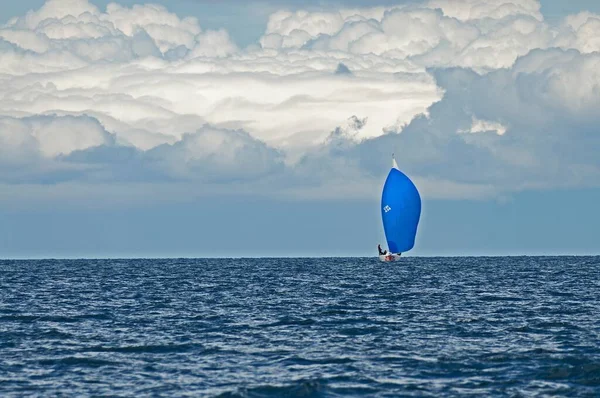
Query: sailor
x,y
381,252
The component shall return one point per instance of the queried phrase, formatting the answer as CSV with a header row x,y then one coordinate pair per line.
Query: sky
x,y
224,129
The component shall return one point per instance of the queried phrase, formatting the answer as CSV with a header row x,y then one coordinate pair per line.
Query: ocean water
x,y
514,326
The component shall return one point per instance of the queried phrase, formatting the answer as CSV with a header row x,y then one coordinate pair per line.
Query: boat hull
x,y
390,257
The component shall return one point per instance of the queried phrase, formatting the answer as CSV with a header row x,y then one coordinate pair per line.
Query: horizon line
x,y
285,257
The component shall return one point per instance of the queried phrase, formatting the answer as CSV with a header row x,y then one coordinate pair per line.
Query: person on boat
x,y
381,252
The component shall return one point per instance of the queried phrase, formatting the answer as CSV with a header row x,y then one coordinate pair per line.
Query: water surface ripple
x,y
514,326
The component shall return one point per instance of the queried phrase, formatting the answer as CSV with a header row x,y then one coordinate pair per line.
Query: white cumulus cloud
x,y
319,102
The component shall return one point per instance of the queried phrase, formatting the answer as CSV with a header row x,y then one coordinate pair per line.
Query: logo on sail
x,y
387,208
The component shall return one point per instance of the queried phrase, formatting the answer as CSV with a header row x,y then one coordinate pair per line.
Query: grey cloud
x,y
548,142
208,155
217,155
342,70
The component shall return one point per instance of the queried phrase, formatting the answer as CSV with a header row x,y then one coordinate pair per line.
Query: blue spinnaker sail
x,y
400,210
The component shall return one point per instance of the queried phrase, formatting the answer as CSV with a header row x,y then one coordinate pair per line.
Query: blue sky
x,y
137,131
548,223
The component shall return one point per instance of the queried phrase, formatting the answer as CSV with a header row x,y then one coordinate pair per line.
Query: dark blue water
x,y
301,327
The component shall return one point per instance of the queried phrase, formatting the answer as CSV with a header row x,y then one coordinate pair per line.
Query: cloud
x,y
528,129
480,126
78,28
476,98
342,70
479,34
49,137
217,155
466,10
216,44
82,147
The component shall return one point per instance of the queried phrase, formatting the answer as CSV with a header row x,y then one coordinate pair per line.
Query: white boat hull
x,y
389,257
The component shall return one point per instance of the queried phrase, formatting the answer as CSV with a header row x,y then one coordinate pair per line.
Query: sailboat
x,y
400,212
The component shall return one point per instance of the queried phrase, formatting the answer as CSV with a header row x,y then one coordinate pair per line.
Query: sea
x,y
301,327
